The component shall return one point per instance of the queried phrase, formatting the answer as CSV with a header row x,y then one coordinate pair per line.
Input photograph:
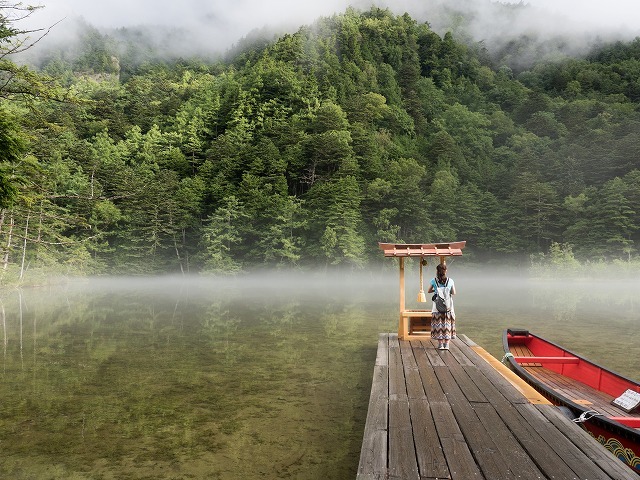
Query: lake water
x,y
262,377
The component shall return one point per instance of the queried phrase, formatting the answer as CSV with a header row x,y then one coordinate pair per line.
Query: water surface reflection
x,y
264,377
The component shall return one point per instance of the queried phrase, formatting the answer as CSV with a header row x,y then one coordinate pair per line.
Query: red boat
x,y
605,403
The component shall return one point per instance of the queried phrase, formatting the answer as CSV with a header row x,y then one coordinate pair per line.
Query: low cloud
x,y
214,26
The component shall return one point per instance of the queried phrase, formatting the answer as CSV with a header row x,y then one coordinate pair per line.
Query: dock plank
x,y
536,447
585,442
509,448
382,355
460,460
450,414
373,456
571,454
467,386
397,383
496,379
430,455
402,459
479,439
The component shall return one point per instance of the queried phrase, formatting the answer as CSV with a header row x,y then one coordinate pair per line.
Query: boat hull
x,y
622,440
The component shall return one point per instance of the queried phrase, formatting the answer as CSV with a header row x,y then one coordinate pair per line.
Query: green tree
x,y
335,222
363,127
442,203
327,148
469,129
535,208
221,235
12,148
615,219
281,242
407,195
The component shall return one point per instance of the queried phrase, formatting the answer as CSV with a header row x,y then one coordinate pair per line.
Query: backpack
x,y
442,297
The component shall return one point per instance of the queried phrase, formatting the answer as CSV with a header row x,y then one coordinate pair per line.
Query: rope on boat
x,y
506,356
589,414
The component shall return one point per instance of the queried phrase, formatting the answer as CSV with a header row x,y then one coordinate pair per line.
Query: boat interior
x,y
546,371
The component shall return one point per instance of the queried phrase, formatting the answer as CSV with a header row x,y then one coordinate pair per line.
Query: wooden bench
x,y
417,322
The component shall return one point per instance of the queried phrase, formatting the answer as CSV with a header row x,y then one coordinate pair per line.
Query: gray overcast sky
x,y
225,21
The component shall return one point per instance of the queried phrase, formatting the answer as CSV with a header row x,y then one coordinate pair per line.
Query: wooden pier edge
x,y
452,414
373,455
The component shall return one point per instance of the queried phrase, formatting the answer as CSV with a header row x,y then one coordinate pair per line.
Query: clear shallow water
x,y
265,377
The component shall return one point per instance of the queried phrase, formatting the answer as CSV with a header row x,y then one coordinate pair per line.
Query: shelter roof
x,y
422,249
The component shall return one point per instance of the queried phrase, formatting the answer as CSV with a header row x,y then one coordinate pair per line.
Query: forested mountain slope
x,y
360,128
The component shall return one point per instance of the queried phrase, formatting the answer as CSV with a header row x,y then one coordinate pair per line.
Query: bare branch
x,y
18,46
18,11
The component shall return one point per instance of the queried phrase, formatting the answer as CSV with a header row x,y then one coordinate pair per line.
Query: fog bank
x,y
212,27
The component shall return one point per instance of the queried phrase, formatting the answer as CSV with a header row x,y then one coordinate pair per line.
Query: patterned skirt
x,y
443,326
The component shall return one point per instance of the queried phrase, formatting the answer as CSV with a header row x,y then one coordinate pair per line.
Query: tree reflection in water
x,y
266,376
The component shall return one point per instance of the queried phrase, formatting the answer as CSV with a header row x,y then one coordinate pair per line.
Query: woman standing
x,y
443,324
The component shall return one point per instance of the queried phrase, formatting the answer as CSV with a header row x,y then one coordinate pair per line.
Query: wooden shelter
x,y
416,324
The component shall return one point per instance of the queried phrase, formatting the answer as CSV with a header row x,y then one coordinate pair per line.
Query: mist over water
x,y
266,375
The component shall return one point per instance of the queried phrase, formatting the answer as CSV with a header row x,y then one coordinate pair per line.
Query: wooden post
x,y
401,323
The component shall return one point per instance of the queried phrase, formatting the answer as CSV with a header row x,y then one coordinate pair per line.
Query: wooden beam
x,y
543,360
402,322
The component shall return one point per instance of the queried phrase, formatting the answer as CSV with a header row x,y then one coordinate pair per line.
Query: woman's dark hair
x,y
441,270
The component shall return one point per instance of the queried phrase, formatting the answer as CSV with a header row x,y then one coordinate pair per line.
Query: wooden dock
x,y
437,414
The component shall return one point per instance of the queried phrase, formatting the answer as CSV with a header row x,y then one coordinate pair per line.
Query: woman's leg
x,y
436,328
448,330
